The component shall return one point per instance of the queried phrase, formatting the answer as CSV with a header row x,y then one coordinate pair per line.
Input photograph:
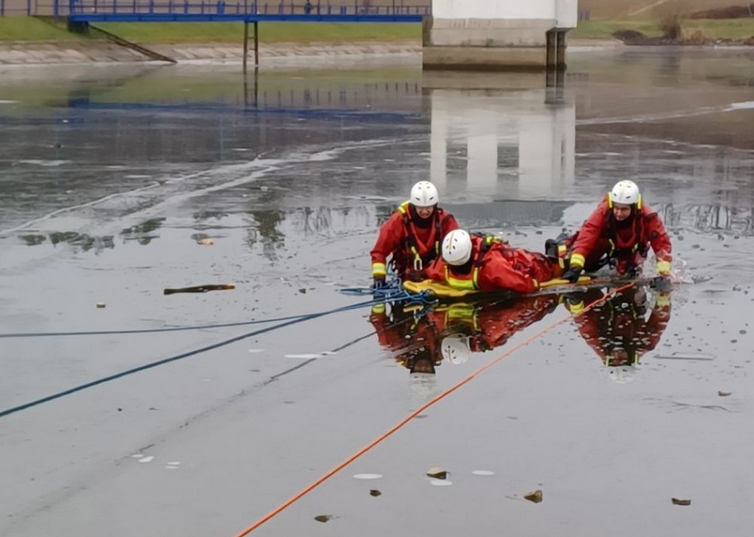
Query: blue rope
x,y
147,330
184,355
390,293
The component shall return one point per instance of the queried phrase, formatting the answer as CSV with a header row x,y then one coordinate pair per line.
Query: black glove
x,y
379,282
572,274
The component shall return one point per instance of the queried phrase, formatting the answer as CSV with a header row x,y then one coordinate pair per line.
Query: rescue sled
x,y
443,291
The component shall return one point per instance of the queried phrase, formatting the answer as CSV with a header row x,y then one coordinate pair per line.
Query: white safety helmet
x,y
622,374
456,247
626,193
424,194
455,349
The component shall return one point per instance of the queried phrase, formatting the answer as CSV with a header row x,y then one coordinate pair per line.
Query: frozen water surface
x,y
112,179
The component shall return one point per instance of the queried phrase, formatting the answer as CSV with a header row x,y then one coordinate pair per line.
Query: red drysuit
x,y
414,243
495,266
626,244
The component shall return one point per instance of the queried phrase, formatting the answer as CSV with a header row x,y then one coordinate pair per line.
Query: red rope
x,y
418,411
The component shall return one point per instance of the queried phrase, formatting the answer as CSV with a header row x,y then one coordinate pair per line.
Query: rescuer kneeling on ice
x,y
619,233
412,236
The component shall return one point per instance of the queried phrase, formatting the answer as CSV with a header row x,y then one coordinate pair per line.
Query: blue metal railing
x,y
396,11
186,10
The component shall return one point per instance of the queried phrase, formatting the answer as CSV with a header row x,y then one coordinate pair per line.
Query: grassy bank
x,y
711,29
30,29
272,32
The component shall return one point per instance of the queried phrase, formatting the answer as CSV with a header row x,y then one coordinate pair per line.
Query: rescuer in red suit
x,y
618,233
412,236
485,263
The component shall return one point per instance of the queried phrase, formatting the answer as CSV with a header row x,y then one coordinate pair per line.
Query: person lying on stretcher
x,y
486,263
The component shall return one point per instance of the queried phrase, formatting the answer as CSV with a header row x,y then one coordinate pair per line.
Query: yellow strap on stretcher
x,y
556,282
438,289
442,290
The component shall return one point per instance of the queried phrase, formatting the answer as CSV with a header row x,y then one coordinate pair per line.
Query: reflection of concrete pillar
x,y
520,144
481,173
438,144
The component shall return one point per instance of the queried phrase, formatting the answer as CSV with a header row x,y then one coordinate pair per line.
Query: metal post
x,y
256,43
561,63
246,100
245,44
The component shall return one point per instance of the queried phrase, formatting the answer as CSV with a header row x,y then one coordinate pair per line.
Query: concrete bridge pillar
x,y
498,34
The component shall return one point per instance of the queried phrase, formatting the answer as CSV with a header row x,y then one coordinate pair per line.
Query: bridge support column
x,y
497,35
246,44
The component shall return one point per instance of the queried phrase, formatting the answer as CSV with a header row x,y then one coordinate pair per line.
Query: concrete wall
x,y
563,12
493,9
493,34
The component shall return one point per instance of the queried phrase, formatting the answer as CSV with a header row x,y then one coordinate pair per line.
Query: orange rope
x,y
415,413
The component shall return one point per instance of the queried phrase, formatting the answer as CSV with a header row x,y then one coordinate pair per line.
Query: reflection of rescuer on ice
x,y
421,342
486,263
412,236
619,233
412,336
619,329
490,325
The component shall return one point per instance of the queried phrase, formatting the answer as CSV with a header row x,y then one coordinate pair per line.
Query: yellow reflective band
x,y
460,311
663,268
378,308
663,300
378,269
609,200
575,309
577,260
536,283
562,248
403,207
465,285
